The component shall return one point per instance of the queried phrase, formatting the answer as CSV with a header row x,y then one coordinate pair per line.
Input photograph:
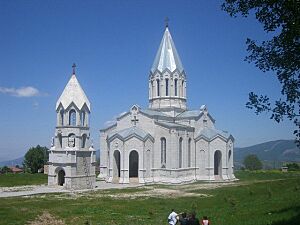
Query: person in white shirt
x,y
172,218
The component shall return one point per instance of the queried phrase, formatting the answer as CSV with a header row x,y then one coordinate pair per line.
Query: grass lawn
x,y
263,198
10,180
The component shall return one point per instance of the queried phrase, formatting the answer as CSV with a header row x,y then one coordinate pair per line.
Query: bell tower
x,y
167,79
72,156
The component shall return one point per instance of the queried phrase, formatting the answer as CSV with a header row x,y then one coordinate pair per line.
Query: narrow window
x,y
158,91
167,87
82,118
189,152
175,85
180,152
60,140
83,140
182,89
163,152
152,95
62,117
72,118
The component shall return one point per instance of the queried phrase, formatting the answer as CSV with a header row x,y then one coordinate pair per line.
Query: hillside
x,y
18,161
280,150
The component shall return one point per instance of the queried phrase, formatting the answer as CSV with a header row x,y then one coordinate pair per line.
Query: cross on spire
x,y
134,120
74,66
167,21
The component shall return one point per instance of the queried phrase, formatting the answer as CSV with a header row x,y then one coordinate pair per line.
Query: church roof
x,y
167,56
151,112
190,113
130,132
211,133
73,93
174,125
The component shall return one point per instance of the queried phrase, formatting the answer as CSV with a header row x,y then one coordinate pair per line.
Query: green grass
x,y
10,180
268,198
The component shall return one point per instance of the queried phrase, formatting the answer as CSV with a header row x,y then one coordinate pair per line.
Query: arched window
x,y
163,151
83,141
72,117
71,140
189,152
158,88
167,87
182,89
180,152
61,114
229,155
82,118
175,85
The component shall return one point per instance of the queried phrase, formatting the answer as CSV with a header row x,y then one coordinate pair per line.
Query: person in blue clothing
x,y
193,220
183,220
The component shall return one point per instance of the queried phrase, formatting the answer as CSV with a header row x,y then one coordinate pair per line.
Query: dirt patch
x,y
46,219
151,192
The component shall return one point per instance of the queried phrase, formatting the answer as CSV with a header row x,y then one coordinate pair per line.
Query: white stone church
x,y
167,142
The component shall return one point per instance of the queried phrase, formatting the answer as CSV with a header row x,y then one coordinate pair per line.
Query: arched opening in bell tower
x,y
61,177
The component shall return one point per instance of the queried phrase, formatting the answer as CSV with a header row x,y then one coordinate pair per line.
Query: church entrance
x,y
133,164
218,165
117,166
61,177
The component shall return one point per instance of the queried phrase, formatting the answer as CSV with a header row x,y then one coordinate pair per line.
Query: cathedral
x,y
166,142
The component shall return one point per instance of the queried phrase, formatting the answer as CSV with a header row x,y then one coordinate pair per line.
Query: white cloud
x,y
35,104
21,92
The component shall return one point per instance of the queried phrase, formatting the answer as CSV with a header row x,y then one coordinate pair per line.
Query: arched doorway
x,y
117,165
218,164
133,164
61,177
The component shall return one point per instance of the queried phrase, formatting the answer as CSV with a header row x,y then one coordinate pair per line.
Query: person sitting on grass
x,y
193,220
205,221
183,219
173,217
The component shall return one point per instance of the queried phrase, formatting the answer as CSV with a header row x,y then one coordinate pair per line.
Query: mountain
x,y
18,161
280,150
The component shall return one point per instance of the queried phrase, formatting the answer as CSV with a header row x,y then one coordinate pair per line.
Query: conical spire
x,y
73,93
167,56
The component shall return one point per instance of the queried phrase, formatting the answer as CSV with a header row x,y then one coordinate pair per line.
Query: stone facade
x,y
166,143
72,158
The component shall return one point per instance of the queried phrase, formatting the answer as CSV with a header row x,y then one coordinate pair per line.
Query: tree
x,y
252,162
36,158
293,166
5,169
281,54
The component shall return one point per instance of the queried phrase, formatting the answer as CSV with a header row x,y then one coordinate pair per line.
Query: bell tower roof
x,y
73,93
167,56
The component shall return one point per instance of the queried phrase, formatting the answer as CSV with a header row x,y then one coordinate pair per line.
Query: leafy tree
x,y
35,158
252,162
5,169
293,166
280,54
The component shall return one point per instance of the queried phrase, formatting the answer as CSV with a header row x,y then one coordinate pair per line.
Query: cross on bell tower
x,y
73,66
167,21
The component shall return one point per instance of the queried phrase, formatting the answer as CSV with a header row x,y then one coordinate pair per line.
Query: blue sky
x,y
114,44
